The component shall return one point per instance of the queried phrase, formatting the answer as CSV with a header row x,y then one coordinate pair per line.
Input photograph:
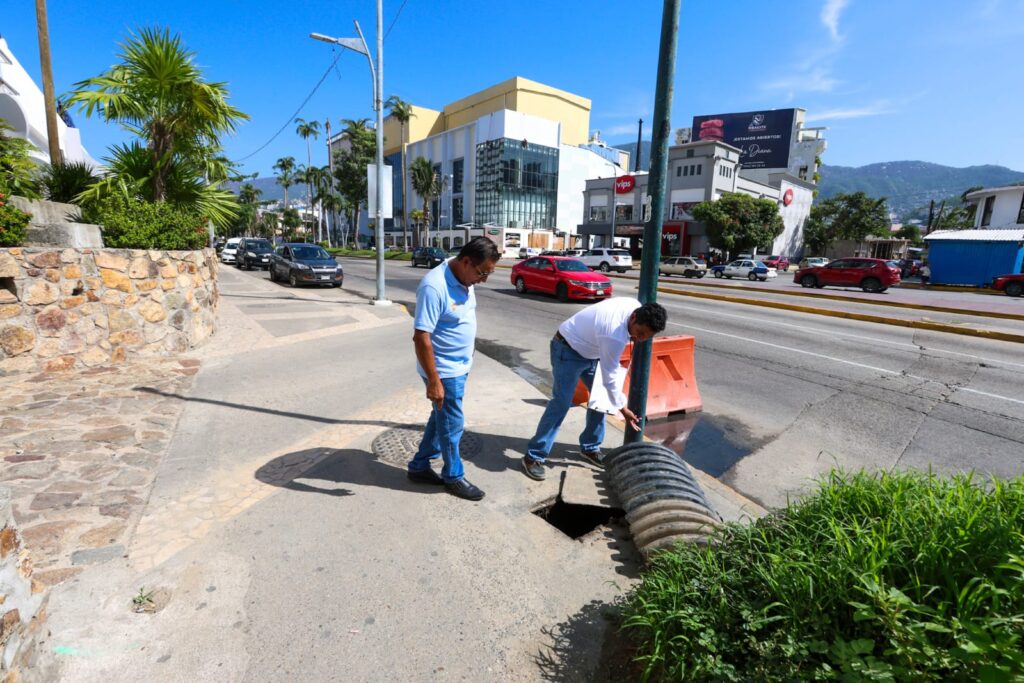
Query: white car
x,y
687,266
752,270
528,252
606,259
230,250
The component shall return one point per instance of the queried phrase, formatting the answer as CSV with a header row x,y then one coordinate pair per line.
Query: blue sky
x,y
930,80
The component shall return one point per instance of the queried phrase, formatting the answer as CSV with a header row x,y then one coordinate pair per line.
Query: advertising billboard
x,y
763,137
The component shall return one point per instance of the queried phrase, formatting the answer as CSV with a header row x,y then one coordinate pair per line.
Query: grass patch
x,y
370,253
884,577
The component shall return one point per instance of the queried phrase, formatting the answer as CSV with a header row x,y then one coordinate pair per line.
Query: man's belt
x,y
559,337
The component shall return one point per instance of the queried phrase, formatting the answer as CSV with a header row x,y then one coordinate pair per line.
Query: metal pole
x,y
381,299
330,165
49,100
641,366
639,139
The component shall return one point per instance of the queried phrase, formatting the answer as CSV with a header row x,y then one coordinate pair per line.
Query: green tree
x,y
845,217
158,94
292,221
269,223
428,186
350,166
402,111
306,130
912,233
285,173
17,170
737,222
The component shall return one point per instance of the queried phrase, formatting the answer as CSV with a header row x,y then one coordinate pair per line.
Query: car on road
x,y
227,254
870,274
1011,285
566,278
527,252
748,268
253,252
812,262
776,262
687,266
607,259
298,263
428,256
909,267
574,253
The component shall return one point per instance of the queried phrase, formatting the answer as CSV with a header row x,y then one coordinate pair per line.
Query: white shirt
x,y
601,332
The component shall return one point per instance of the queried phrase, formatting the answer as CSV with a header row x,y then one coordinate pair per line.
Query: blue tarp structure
x,y
974,257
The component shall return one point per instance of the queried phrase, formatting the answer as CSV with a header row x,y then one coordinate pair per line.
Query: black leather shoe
x,y
427,476
463,489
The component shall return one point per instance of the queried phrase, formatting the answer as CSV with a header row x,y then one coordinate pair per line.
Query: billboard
x,y
763,137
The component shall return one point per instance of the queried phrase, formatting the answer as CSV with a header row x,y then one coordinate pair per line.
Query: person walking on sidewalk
x,y
925,274
597,333
444,337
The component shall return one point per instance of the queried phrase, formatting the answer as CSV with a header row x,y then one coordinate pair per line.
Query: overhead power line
x,y
395,20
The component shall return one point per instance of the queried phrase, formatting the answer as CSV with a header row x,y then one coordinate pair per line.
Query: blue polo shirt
x,y
446,309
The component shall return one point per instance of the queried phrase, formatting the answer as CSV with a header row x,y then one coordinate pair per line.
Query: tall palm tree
x,y
402,111
426,184
318,177
285,167
307,130
158,94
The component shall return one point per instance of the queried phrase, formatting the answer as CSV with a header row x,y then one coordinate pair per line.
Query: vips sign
x,y
624,184
763,137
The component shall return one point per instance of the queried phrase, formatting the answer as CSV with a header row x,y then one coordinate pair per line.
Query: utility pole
x,y
49,99
378,104
641,365
639,139
330,165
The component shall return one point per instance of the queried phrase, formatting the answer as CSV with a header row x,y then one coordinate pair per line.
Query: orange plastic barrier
x,y
672,387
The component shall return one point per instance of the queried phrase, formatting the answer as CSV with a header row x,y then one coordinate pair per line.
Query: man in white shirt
x,y
597,333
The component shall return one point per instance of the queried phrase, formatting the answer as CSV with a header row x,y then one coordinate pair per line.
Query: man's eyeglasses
x,y
483,274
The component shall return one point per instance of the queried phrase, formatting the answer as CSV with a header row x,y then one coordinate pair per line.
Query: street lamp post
x,y
377,74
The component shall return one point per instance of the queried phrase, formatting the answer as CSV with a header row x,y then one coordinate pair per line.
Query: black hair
x,y
480,249
651,316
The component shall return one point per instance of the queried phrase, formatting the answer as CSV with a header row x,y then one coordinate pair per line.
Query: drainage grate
x,y
397,446
576,521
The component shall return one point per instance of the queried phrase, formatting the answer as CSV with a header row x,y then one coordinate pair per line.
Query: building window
x,y
802,173
686,170
516,184
623,212
689,154
679,171
699,166
1020,214
598,214
457,211
458,167
986,214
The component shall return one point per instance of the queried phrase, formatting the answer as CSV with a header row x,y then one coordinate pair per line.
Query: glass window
x,y
689,154
679,171
571,266
686,171
986,215
1020,214
458,170
458,209
516,184
699,166
624,212
598,214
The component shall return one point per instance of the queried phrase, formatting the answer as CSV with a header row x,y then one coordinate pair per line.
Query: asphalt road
x,y
787,395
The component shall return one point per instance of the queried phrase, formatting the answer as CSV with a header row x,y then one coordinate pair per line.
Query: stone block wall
x,y
65,308
22,599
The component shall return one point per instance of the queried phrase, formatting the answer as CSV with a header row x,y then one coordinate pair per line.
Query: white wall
x,y
794,218
575,166
517,126
1004,211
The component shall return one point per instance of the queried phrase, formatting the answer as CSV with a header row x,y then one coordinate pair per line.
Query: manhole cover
x,y
397,446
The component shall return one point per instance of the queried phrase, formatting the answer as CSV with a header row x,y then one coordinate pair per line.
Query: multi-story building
x,y
697,172
998,208
515,156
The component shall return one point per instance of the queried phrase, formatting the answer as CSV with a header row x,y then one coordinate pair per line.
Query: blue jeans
x,y
443,433
568,368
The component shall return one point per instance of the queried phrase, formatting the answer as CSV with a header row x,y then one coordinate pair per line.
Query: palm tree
x,y
158,94
285,167
402,111
307,130
318,177
426,184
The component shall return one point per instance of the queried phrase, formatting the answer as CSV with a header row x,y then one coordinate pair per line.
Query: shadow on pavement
x,y
569,656
322,467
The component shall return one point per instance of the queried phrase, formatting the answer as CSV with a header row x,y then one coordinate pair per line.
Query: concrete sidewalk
x,y
283,542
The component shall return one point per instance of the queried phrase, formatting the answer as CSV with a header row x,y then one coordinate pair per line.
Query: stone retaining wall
x,y
22,599
64,308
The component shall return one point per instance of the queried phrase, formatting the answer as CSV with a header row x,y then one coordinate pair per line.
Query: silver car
x,y
687,266
230,251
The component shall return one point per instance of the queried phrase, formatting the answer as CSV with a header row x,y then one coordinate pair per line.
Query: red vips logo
x,y
787,197
624,184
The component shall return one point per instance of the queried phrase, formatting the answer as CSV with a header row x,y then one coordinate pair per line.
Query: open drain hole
x,y
576,521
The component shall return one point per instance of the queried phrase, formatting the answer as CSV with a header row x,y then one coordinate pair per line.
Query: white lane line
x,y
830,333
841,360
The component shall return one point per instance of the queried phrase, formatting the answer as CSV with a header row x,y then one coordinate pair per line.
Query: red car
x,y
567,278
777,262
1013,285
870,274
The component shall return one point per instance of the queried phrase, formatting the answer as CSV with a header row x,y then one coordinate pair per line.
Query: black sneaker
x,y
463,489
595,457
427,476
534,469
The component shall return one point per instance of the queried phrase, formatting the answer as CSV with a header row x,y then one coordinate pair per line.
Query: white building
x,y
998,208
22,107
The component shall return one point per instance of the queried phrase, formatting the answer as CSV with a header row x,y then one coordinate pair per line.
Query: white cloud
x,y
621,129
874,109
830,16
817,79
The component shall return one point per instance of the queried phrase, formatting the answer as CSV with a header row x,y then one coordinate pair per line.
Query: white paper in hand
x,y
599,399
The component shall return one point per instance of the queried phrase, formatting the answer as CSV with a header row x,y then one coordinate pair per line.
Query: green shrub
x,y
137,224
13,223
370,253
889,577
63,182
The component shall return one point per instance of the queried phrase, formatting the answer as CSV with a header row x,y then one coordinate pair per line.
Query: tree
x,y
350,166
845,217
427,185
158,94
292,221
402,111
306,130
910,232
17,170
739,222
319,178
285,168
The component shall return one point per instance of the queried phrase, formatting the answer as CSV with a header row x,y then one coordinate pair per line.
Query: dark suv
x,y
428,256
253,251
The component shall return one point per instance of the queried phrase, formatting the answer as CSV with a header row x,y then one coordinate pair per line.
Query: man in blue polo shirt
x,y
444,340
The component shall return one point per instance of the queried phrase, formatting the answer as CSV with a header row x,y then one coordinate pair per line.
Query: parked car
x,y
909,267
566,278
298,263
687,266
607,259
527,252
776,262
227,254
574,253
718,270
1012,285
253,252
750,269
428,256
812,262
870,274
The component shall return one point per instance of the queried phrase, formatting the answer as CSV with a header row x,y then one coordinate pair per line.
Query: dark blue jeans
x,y
443,433
568,368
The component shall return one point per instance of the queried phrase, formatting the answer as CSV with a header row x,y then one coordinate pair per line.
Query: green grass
x,y
887,577
370,253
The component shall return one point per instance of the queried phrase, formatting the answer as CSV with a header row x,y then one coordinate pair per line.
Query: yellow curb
x,y
916,324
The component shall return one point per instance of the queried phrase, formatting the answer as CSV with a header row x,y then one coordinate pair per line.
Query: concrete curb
x,y
915,324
